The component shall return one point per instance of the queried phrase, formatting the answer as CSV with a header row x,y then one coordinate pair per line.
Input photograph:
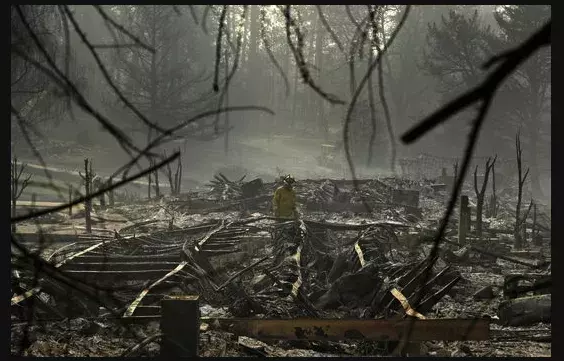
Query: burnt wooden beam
x,y
355,329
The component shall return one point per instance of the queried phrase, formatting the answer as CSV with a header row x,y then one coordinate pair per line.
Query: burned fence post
x,y
180,325
463,220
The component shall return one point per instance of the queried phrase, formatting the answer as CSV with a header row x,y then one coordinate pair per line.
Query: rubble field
x,y
364,253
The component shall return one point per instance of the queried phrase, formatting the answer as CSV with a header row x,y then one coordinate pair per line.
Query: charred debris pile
x,y
353,254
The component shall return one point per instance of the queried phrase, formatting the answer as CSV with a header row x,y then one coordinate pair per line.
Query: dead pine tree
x,y
87,177
480,194
519,221
16,186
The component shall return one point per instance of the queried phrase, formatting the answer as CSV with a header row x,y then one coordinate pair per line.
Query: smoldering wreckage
x,y
215,271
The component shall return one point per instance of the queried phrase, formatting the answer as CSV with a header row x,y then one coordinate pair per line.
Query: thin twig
x,y
108,19
329,30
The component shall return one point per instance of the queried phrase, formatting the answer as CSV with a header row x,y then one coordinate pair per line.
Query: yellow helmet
x,y
289,180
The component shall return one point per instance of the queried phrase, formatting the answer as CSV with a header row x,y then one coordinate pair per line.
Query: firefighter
x,y
284,200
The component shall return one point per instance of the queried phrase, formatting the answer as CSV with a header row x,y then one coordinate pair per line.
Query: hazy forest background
x,y
136,65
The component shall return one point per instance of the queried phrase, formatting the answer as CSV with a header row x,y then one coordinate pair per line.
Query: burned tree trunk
x,y
16,187
521,179
168,173
88,190
493,198
157,189
480,194
111,198
96,186
149,187
178,175
463,219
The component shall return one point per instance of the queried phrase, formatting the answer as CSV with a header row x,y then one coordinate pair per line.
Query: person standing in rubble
x,y
284,200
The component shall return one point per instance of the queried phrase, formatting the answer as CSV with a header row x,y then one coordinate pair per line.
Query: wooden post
x,y
463,220
180,325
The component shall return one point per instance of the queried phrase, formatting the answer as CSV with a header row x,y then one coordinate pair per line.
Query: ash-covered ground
x,y
340,260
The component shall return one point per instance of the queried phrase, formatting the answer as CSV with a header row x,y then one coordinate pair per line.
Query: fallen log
x,y
525,311
500,256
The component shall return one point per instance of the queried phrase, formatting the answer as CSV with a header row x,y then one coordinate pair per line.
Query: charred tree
x,y
493,198
149,187
178,175
111,196
519,221
480,194
156,177
97,185
168,174
87,177
17,187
